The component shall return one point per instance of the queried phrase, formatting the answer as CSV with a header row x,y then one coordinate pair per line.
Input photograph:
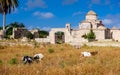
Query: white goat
x,y
86,54
38,57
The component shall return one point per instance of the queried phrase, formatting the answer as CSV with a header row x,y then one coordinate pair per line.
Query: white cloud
x,y
107,21
68,2
95,1
92,2
43,14
37,27
35,3
77,13
112,20
98,2
45,28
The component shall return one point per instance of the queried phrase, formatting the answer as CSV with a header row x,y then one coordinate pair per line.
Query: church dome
x,y
91,15
101,27
114,28
91,12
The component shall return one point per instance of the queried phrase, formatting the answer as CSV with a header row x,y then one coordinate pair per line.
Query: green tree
x,y
9,28
91,35
43,34
6,6
30,35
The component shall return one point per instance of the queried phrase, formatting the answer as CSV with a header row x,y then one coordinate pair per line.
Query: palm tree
x,y
5,7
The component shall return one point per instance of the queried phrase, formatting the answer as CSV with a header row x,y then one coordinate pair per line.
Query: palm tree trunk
x,y
4,24
4,21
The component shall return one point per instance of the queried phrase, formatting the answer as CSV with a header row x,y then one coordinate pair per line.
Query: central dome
x,y
91,15
91,12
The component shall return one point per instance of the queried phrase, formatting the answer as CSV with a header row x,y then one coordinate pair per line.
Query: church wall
x,y
77,35
100,34
116,35
85,26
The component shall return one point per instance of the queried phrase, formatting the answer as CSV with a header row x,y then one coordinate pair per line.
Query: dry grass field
x,y
59,60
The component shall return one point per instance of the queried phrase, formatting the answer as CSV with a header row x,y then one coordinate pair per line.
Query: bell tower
x,y
68,26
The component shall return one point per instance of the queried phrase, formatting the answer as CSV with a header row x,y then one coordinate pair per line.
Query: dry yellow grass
x,y
65,60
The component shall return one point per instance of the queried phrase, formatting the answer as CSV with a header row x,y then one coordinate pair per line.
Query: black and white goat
x,y
27,59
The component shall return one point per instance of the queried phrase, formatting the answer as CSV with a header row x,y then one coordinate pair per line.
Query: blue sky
x,y
46,14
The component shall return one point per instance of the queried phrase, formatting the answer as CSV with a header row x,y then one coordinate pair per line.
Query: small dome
x,y
91,12
101,27
114,28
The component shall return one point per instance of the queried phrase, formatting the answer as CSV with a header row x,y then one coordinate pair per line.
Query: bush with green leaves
x,y
89,36
51,50
9,28
43,33
30,35
13,61
84,36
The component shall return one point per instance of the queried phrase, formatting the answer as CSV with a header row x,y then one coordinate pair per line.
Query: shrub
x,y
90,36
0,61
43,34
84,36
51,50
30,35
13,61
62,64
61,49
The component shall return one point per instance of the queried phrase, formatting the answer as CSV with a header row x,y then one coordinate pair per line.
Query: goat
x,y
27,59
38,57
94,53
88,54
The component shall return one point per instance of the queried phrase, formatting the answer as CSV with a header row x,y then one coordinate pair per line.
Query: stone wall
x,y
42,40
35,33
19,32
103,44
67,34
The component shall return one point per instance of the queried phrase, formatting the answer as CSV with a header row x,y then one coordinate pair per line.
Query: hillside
x,y
59,60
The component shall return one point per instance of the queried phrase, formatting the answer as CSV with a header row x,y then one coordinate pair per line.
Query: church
x,y
91,22
71,36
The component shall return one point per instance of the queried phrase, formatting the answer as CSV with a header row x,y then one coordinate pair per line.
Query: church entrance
x,y
59,37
